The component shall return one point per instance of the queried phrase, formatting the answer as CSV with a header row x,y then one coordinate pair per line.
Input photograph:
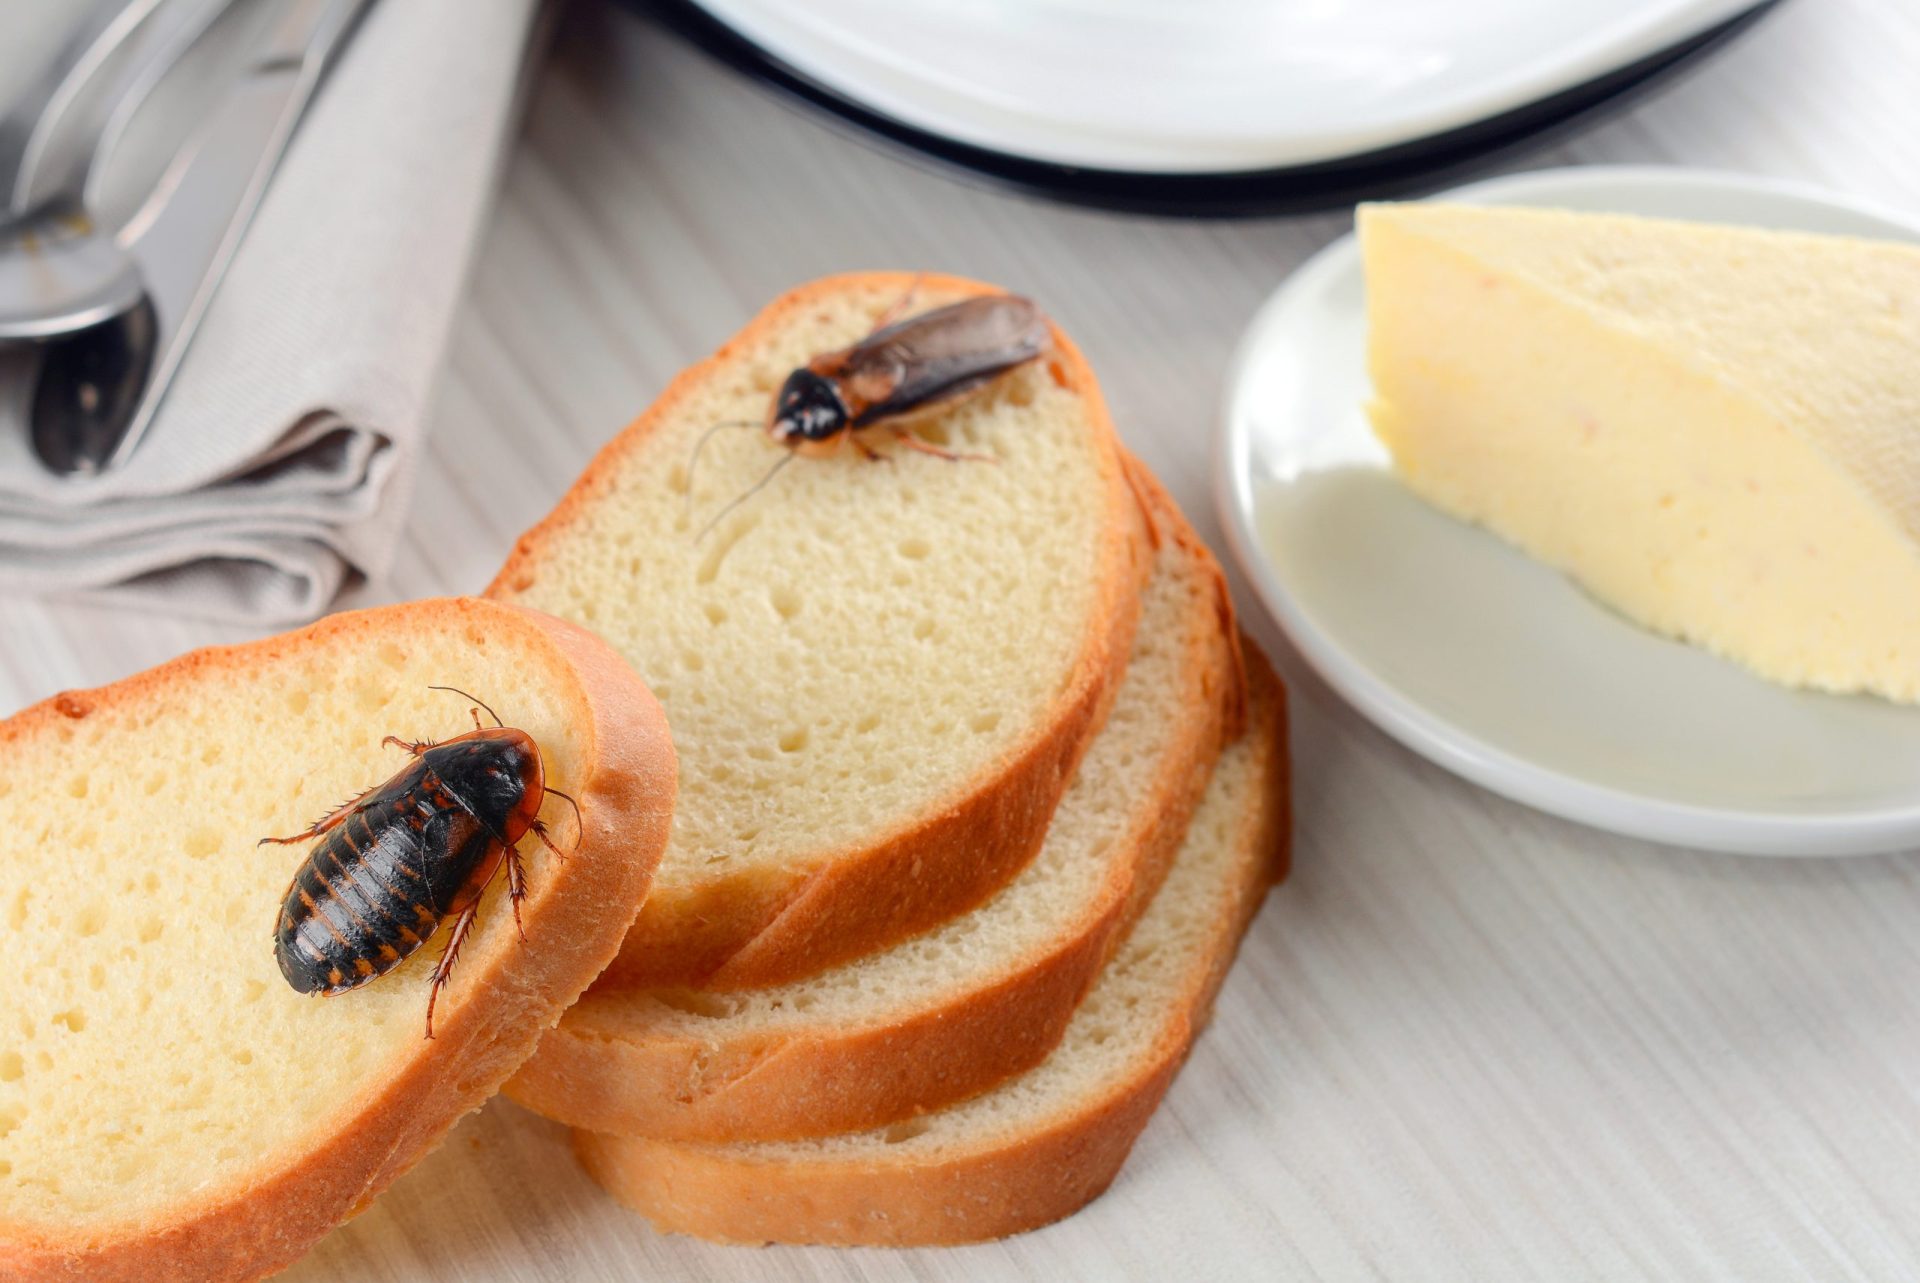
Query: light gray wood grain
x,y
1466,1040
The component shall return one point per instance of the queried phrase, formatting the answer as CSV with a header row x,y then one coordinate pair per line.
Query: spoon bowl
x,y
60,273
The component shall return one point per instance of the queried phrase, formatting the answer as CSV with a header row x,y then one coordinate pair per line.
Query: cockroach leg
x,y
516,889
444,972
900,305
868,453
912,442
326,823
540,831
414,747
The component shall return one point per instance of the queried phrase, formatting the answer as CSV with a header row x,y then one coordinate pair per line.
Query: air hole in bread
x,y
915,548
371,694
786,602
91,919
794,740
12,1067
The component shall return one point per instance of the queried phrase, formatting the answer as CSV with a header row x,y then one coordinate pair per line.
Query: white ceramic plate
x,y
1499,668
1207,85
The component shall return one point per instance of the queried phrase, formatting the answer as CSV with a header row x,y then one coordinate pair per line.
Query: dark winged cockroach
x,y
898,372
393,862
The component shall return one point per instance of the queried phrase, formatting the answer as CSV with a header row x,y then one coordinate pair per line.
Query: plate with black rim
x,y
1370,114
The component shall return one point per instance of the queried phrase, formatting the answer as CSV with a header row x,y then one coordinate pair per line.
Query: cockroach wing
x,y
939,354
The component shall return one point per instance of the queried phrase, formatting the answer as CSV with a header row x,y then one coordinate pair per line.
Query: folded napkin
x,y
280,463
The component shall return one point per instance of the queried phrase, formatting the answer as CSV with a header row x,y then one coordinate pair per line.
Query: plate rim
x,y
1727,829
1333,184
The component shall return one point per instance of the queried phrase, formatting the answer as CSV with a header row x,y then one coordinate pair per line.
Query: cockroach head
x,y
809,408
488,770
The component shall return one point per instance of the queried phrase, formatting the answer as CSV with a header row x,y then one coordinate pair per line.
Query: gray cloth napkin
x,y
281,461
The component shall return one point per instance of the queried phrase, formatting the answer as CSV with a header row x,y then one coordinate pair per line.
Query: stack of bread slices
x,y
979,785
904,819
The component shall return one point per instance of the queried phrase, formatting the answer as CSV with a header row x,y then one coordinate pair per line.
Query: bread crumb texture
x,y
854,642
1098,819
150,1051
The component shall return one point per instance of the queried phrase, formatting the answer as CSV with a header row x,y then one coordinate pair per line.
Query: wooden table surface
x,y
1466,1040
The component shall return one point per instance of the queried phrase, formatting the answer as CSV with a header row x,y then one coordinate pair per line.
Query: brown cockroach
x,y
393,862
902,369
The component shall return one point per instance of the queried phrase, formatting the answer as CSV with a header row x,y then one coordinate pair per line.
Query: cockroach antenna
x,y
693,460
749,493
475,698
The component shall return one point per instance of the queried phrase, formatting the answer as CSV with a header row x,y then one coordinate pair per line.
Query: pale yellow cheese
x,y
1715,430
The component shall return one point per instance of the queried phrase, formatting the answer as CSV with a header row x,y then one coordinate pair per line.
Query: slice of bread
x,y
1041,1145
880,675
947,1014
170,1109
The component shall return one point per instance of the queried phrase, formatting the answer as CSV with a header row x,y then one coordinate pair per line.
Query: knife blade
x,y
186,233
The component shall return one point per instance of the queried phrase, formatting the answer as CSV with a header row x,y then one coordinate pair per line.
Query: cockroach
x,y
899,371
395,861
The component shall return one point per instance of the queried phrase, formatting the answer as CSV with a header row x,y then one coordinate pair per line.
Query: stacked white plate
x,y
1208,86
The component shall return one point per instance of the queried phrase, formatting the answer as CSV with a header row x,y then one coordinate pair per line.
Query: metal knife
x,y
186,233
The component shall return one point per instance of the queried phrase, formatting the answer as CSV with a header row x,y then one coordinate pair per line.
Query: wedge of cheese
x,y
1715,430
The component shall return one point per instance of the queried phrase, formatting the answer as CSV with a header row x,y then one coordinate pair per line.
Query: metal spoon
x,y
185,236
58,271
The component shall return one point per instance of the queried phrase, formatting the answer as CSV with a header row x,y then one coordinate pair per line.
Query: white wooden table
x,y
1466,1040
